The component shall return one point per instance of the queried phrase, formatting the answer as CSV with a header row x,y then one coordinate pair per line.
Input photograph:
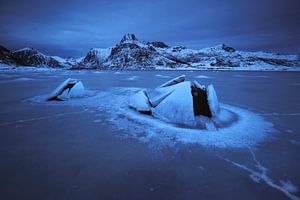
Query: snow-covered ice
x,y
234,130
71,141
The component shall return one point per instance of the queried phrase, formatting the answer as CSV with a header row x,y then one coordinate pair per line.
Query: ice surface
x,y
202,76
162,76
260,174
94,124
132,78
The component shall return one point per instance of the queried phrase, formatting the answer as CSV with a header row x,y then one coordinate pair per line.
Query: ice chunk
x,y
181,102
174,81
68,89
140,102
212,100
158,95
178,106
77,90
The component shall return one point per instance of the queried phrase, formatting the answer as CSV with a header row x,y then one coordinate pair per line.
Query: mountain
x,y
94,58
7,57
32,57
133,54
223,55
130,53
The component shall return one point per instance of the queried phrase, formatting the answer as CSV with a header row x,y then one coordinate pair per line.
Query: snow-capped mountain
x,y
226,56
94,58
32,57
133,54
130,53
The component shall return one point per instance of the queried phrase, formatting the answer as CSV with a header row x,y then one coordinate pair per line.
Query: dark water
x,y
67,152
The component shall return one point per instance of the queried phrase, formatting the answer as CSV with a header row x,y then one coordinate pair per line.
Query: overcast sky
x,y
70,28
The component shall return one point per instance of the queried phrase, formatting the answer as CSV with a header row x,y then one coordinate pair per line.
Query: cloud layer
x,y
70,28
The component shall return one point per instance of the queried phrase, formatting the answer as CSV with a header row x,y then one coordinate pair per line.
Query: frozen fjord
x,y
91,149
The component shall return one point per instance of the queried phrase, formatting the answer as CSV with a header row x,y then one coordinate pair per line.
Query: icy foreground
x,y
132,54
174,115
96,144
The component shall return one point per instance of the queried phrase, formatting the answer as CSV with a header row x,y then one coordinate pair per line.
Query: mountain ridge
x,y
132,54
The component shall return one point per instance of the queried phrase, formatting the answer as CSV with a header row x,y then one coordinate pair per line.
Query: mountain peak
x,y
27,49
226,48
129,37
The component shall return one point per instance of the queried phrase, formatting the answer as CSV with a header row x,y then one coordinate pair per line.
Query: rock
x,y
7,57
129,37
158,44
200,101
227,48
95,57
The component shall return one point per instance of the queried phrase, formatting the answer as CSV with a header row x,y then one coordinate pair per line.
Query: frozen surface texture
x,y
91,147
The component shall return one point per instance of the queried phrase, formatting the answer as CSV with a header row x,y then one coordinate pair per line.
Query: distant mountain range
x,y
133,54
